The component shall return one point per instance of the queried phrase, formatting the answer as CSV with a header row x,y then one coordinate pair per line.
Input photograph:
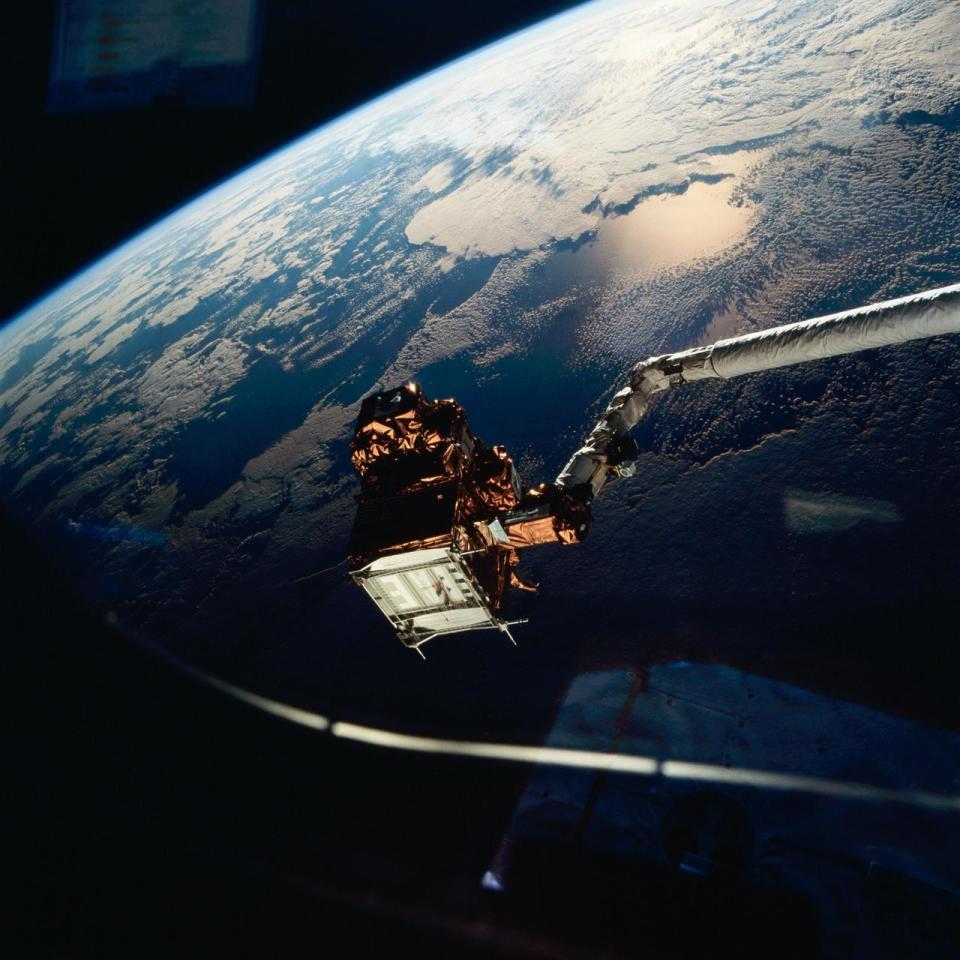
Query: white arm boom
x,y
928,314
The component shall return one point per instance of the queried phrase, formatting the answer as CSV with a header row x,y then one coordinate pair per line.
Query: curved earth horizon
x,y
515,230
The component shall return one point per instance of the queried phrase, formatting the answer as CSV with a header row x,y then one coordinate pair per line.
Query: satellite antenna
x,y
442,518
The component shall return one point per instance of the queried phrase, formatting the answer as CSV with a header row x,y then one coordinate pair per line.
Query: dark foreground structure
x,y
155,815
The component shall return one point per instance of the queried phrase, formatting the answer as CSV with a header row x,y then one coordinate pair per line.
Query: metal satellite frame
x,y
442,518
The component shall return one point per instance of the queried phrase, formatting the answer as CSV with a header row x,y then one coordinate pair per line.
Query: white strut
x,y
921,315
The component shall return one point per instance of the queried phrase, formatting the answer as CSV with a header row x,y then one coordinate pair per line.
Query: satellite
x,y
442,518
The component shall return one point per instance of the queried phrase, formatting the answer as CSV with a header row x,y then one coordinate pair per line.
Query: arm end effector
x,y
609,450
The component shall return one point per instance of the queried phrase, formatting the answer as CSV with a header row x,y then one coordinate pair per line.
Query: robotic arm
x,y
928,314
442,518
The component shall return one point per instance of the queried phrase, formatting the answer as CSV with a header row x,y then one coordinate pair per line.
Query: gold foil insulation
x,y
428,481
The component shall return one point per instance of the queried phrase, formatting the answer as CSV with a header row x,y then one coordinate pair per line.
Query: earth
x,y
515,230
